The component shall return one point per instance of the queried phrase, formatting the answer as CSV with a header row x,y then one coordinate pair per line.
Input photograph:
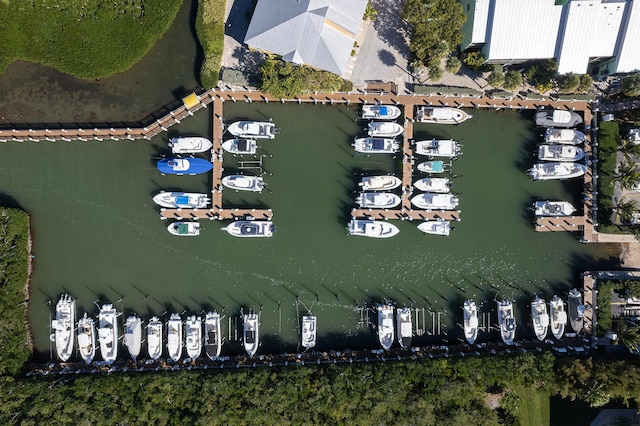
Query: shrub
x,y
370,12
285,80
496,79
631,85
512,80
586,82
453,65
474,60
568,83
234,77
435,73
210,30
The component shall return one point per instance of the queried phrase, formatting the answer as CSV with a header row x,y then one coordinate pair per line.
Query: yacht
x,y
384,129
440,185
250,228
184,166
154,338
378,200
244,183
435,166
309,331
184,229
557,118
186,200
576,310
470,321
441,115
547,171
133,335
240,146
108,333
379,183
404,326
86,338
62,327
253,129
212,335
564,136
189,144
553,208
507,321
558,152
372,228
251,333
376,145
385,325
429,201
436,227
438,148
174,337
558,317
539,318
193,334
380,112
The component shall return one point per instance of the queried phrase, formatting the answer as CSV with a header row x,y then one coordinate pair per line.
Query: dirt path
x,y
630,255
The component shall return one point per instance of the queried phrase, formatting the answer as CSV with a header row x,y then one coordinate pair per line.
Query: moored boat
x,y
380,112
404,326
429,201
184,229
440,185
576,310
558,317
133,335
385,325
86,338
187,200
378,200
553,208
436,166
174,337
250,228
441,115
539,318
189,144
470,321
372,228
438,148
184,166
506,321
193,334
376,145
108,333
240,146
384,129
309,331
253,129
557,118
379,183
62,327
154,338
564,136
212,335
558,152
435,227
547,171
251,333
244,183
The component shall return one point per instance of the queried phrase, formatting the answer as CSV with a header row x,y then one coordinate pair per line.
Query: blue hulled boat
x,y
184,166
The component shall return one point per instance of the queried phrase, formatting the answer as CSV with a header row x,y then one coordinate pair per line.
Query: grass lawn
x,y
535,408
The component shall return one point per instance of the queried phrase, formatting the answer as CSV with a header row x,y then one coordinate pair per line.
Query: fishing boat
x,y
553,208
558,317
379,183
557,118
212,335
547,171
377,200
309,331
376,145
244,183
186,200
539,318
384,129
470,321
240,146
385,325
429,201
193,334
576,310
441,115
133,335
108,333
435,166
438,148
380,112
184,229
507,321
62,326
559,152
372,228
251,333
404,326
436,227
253,129
189,144
440,185
564,136
86,338
184,166
174,337
250,228
154,338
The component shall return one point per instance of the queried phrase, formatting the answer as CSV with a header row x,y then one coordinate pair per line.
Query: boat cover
x,y
182,228
437,166
377,144
249,229
561,116
241,144
510,324
383,110
182,200
441,114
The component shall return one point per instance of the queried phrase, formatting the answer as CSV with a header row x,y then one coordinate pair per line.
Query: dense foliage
x,y
285,80
210,30
541,74
574,83
631,85
608,137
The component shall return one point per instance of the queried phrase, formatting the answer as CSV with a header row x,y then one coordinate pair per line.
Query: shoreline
x,y
27,286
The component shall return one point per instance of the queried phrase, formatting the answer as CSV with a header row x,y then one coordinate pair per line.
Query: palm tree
x,y
630,150
628,174
626,210
630,337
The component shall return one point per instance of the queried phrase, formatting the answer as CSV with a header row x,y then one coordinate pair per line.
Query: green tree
x,y
631,85
512,80
453,65
474,60
629,336
586,82
496,78
628,174
435,73
568,83
625,210
370,12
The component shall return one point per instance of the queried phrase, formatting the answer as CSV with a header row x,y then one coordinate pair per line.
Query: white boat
x,y
240,146
470,321
133,335
108,333
576,310
189,145
440,185
553,208
384,129
558,317
539,318
564,136
441,115
547,171
380,112
557,118
376,145
372,228
404,326
436,166
244,183
251,333
212,335
193,334
62,326
309,331
506,321
429,201
385,325
250,228
559,152
253,129
184,229
436,227
174,337
377,200
187,200
154,338
438,148
86,338
379,183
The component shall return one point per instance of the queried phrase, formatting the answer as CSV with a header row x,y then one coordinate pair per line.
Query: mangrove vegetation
x,y
210,30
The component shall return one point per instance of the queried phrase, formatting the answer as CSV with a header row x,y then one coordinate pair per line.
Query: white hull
x,y
253,129
428,201
250,228
174,337
193,333
108,333
441,115
564,136
62,327
376,145
244,183
431,167
133,336
470,321
548,171
558,317
380,112
87,338
212,335
187,200
251,333
240,146
553,208
308,331
385,326
447,148
378,200
404,327
506,321
539,318
372,229
436,227
184,229
154,338
383,129
557,152
576,310
189,145
380,183
439,185
557,118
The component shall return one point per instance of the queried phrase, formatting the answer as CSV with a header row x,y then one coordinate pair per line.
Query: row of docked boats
x,y
394,324
238,228
381,133
424,114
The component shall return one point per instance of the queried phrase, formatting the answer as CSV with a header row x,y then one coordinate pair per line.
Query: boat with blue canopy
x,y
184,166
380,112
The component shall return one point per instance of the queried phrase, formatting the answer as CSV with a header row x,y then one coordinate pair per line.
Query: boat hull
x,y
108,333
446,148
378,200
431,167
251,333
576,310
372,229
189,145
380,112
558,152
154,338
87,338
184,229
438,185
385,326
555,171
436,227
174,337
380,183
404,327
383,129
564,136
240,146
376,145
212,335
253,129
539,318
553,208
193,333
470,321
133,336
184,166
429,201
557,118
308,331
244,183
187,200
558,317
441,115
250,229
506,321
63,326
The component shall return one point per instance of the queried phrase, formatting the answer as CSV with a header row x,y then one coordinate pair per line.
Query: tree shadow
x,y
390,26
239,19
386,57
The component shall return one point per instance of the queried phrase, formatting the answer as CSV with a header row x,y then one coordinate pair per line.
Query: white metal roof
x,y
480,19
628,55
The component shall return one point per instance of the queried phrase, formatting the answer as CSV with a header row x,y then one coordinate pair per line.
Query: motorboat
x,y
436,227
576,310
251,333
435,166
440,185
559,152
539,318
404,326
470,321
553,208
86,338
240,146
557,118
379,183
309,331
385,325
380,112
244,183
186,200
253,129
548,171
384,129
193,335
372,228
376,145
62,326
438,148
184,229
108,333
507,321
174,337
212,335
189,144
250,228
429,201
154,338
133,335
378,200
558,317
564,136
441,115
184,166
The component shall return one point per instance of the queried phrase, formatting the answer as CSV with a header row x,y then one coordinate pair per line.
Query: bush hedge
x,y
210,30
